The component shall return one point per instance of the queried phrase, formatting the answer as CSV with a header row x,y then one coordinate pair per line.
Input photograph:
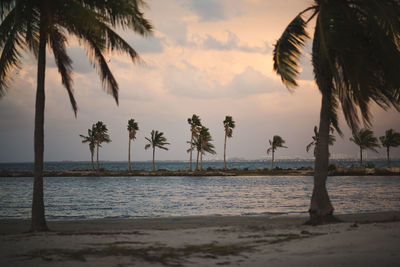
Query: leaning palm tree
x,y
36,24
195,124
314,142
202,143
229,124
102,136
205,144
277,142
91,140
355,51
132,130
156,140
365,139
390,139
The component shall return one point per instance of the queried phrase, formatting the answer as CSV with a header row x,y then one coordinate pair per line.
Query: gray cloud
x,y
231,43
208,10
193,83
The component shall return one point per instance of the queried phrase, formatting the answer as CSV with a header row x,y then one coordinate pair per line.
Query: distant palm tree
x,y
36,24
202,143
195,124
132,130
365,139
390,139
205,144
102,136
314,143
156,139
355,57
91,140
276,143
229,125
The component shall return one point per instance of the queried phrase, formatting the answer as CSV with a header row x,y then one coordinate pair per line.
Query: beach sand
x,y
360,240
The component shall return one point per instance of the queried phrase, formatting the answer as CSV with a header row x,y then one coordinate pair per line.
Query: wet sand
x,y
360,240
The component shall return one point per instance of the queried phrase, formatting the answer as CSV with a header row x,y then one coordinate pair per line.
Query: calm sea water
x,y
182,165
131,197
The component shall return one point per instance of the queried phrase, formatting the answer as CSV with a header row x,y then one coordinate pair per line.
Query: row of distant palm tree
x,y
365,139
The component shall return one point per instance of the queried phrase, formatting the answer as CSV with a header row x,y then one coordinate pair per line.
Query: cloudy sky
x,y
207,57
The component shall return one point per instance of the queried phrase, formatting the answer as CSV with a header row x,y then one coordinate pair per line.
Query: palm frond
x,y
64,63
287,51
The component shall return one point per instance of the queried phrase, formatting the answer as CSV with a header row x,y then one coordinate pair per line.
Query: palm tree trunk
x,y
38,220
361,157
97,159
201,160
225,152
388,156
272,160
154,151
191,147
197,161
91,157
321,209
129,154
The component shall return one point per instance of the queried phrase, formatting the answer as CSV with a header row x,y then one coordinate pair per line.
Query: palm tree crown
x,y
365,139
132,128
101,133
229,125
390,139
157,139
276,142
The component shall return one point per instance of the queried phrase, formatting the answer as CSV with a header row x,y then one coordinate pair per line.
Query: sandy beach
x,y
360,240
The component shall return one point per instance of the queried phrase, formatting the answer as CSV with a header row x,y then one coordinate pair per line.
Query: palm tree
x,y
390,139
102,136
34,24
365,139
195,124
91,140
276,143
229,124
202,143
156,139
354,52
314,142
132,130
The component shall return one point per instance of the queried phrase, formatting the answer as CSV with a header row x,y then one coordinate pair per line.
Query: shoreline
x,y
342,171
364,239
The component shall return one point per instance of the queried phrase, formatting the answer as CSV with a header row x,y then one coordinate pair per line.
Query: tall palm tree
x,y
102,136
365,139
132,127
277,142
390,139
354,54
156,140
229,125
34,24
314,142
91,140
195,124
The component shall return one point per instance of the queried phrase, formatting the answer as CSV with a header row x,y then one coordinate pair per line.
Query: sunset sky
x,y
207,57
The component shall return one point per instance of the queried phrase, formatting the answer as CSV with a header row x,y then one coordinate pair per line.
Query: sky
x,y
210,57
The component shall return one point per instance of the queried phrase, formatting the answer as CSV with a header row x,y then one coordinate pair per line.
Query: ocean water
x,y
183,165
68,198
